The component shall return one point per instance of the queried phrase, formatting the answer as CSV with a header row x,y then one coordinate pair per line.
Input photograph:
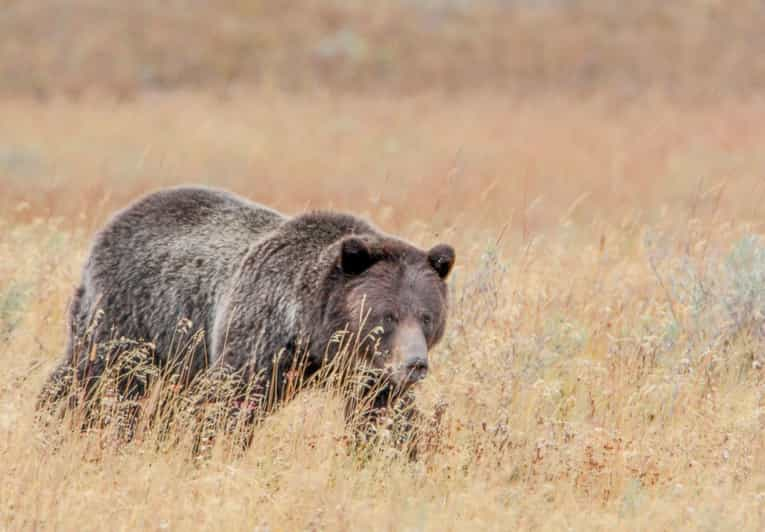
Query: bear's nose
x,y
417,367
412,349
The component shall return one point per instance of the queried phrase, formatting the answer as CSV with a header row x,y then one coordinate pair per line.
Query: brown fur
x,y
262,289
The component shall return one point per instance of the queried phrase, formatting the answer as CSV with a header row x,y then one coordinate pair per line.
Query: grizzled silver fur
x,y
257,283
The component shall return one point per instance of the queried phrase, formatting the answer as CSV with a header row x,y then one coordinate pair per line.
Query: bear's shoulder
x,y
323,228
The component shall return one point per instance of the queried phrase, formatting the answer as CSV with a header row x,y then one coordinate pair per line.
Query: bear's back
x,y
184,210
167,256
183,222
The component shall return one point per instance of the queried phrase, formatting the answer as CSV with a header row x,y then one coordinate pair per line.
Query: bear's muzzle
x,y
410,351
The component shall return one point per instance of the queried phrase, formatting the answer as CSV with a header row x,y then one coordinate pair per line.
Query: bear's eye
x,y
427,319
389,321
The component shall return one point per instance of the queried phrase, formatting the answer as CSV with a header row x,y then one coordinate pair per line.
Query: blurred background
x,y
495,112
696,48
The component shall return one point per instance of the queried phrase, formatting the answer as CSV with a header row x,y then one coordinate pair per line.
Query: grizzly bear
x,y
266,295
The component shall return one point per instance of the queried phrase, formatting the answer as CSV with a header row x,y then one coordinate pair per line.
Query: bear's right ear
x,y
356,256
441,258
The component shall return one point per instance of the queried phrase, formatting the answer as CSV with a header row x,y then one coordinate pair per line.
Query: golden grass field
x,y
603,366
603,361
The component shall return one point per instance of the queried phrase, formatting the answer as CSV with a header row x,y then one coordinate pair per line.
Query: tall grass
x,y
698,49
602,366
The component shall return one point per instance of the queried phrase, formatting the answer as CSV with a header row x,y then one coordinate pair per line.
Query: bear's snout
x,y
416,368
411,353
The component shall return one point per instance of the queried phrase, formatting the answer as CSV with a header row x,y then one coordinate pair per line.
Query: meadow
x,y
603,362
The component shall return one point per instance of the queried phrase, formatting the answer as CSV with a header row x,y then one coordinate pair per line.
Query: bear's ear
x,y
441,258
356,256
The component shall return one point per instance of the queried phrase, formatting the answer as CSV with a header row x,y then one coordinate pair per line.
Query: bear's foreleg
x,y
379,415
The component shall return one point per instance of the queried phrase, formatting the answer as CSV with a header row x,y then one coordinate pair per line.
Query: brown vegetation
x,y
604,358
699,48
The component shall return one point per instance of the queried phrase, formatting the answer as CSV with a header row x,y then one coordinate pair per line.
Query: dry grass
x,y
697,48
603,362
597,166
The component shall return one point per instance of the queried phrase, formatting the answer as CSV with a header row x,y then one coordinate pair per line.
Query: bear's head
x,y
394,296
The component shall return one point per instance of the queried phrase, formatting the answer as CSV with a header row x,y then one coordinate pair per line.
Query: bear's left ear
x,y
356,255
441,258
